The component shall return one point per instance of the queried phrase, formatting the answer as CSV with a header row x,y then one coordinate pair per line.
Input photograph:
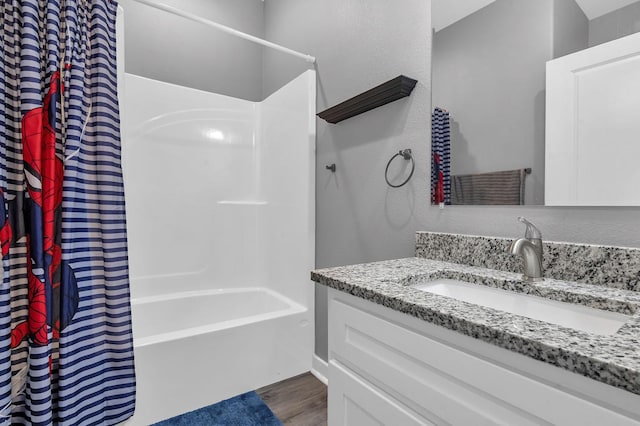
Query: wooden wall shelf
x,y
383,94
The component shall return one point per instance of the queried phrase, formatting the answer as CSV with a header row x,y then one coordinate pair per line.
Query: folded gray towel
x,y
503,187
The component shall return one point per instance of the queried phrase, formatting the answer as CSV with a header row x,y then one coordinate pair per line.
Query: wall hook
x,y
331,167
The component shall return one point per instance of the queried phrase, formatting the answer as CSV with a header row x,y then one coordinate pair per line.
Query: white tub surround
x,y
391,345
206,311
220,212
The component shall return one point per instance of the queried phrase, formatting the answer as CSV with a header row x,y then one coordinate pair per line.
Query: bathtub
x,y
221,234
195,348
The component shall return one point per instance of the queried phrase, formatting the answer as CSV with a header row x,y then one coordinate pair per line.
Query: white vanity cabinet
x,y
389,368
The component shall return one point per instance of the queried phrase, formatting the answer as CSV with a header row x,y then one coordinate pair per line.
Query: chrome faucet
x,y
530,248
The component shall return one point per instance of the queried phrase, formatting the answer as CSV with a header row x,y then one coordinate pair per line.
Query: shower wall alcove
x,y
220,217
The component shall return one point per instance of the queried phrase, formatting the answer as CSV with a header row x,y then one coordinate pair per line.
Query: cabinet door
x,y
592,126
434,380
444,384
354,402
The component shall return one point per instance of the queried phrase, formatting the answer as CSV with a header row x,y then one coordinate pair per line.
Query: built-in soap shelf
x,y
243,203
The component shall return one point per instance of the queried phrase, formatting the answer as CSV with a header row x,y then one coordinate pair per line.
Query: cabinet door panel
x,y
439,381
354,402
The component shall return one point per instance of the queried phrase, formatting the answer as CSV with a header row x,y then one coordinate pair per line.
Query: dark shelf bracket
x,y
383,94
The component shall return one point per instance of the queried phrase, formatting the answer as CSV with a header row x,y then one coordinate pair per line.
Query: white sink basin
x,y
565,314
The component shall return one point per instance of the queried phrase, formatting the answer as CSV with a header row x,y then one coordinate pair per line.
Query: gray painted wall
x,y
620,23
493,92
570,28
360,43
169,48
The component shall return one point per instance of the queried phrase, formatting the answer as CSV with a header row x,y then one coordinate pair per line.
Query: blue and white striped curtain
x,y
440,157
66,354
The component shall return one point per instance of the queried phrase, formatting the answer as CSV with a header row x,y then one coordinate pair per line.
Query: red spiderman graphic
x,y
53,290
438,190
6,233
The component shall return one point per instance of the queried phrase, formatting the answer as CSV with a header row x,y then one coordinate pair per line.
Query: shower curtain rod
x,y
196,18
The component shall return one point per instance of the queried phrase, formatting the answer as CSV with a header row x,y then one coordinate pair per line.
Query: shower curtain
x,y
66,352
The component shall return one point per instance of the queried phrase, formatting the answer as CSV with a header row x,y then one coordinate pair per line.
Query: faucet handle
x,y
532,231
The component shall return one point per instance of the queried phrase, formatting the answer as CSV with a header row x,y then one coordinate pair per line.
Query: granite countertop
x,y
611,359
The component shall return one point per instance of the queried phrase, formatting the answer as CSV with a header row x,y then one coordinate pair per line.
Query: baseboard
x,y
320,369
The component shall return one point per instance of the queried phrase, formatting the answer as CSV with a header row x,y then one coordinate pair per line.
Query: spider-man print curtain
x,y
66,354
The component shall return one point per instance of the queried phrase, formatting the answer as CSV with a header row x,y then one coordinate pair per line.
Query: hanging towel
x,y
440,157
504,187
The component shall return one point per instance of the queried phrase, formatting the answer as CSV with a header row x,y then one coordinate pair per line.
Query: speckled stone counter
x,y
612,359
593,264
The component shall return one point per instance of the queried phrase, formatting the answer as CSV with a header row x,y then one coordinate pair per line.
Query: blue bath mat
x,y
247,409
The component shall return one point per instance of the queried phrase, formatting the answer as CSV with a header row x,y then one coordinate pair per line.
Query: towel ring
x,y
406,154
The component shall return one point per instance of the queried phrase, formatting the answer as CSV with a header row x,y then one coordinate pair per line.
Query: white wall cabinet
x,y
387,368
